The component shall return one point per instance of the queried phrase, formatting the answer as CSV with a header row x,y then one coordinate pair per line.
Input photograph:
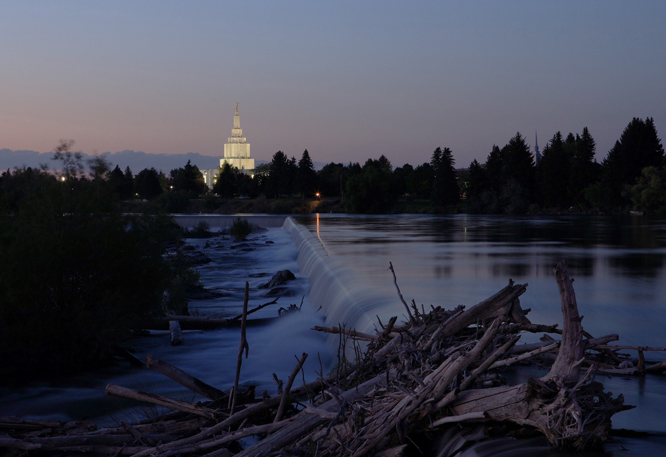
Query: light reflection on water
x,y
618,263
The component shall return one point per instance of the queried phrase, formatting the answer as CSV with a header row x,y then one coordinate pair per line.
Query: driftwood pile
x,y
407,382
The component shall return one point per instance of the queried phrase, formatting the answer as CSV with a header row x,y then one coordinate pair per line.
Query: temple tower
x,y
237,149
537,153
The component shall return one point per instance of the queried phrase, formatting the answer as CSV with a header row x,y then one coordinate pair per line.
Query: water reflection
x,y
618,262
632,246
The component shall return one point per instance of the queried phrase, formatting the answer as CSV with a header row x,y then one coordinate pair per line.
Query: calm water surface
x,y
618,263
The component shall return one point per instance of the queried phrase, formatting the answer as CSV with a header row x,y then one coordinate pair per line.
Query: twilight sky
x,y
348,80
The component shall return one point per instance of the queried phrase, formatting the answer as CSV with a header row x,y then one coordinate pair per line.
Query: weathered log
x,y
571,350
572,419
589,343
195,385
526,355
659,367
435,387
236,418
58,442
577,417
306,422
26,424
244,347
350,333
124,392
477,415
499,304
287,389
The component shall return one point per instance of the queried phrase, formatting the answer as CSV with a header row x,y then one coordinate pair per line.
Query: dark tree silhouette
x,y
638,147
553,174
445,189
188,179
147,184
227,181
306,176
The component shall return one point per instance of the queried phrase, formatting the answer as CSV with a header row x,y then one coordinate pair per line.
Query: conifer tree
x,y
638,147
553,172
584,169
306,182
226,184
445,190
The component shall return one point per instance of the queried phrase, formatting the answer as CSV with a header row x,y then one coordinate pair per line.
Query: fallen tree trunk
x,y
569,413
124,392
184,379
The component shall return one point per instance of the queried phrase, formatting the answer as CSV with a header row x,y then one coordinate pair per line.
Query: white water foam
x,y
344,297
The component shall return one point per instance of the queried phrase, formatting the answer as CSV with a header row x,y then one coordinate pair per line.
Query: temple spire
x,y
236,132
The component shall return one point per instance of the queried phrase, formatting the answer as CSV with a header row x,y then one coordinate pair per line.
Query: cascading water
x,y
345,298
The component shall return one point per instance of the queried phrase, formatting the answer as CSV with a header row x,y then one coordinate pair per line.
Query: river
x,y
341,262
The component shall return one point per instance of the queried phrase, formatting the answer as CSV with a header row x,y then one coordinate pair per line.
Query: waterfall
x,y
344,297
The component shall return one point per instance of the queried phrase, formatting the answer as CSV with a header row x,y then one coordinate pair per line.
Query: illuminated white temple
x,y
236,153
237,149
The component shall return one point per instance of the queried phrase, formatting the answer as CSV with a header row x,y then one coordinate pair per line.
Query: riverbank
x,y
208,355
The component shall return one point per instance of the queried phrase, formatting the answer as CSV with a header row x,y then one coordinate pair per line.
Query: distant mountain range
x,y
136,160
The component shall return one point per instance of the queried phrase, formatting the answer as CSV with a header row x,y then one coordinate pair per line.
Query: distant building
x,y
236,153
537,154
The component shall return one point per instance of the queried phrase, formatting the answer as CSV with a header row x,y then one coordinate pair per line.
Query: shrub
x,y
240,229
77,277
201,230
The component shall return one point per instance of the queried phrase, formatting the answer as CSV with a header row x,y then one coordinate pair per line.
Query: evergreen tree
x,y
477,185
331,179
370,190
518,176
495,169
306,183
118,184
385,164
445,190
188,179
226,184
147,184
553,172
420,182
638,147
400,177
584,169
279,176
518,162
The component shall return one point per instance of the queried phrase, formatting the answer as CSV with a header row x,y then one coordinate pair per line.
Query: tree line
x,y
510,181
